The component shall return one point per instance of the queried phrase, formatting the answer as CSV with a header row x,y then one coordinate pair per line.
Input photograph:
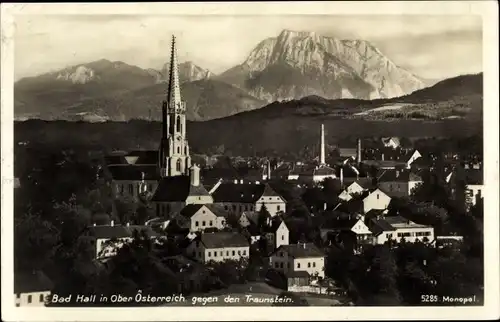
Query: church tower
x,y
174,159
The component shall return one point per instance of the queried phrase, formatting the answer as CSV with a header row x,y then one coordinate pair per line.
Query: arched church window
x,y
178,124
178,165
178,150
171,124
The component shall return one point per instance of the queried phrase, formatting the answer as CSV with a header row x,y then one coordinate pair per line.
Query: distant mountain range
x,y
287,68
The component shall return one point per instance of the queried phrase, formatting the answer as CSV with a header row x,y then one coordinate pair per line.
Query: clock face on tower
x,y
178,138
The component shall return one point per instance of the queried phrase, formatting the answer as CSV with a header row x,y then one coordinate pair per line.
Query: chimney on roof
x,y
194,175
128,224
397,173
112,223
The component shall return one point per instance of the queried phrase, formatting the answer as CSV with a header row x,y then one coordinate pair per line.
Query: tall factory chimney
x,y
322,152
358,152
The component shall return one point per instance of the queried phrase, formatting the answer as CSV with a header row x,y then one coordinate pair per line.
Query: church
x,y
166,174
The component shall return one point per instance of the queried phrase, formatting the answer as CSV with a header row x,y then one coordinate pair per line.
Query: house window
x,y
314,264
278,207
225,207
227,253
281,265
239,252
298,265
244,252
308,265
41,298
178,150
282,237
196,223
234,253
209,254
178,124
288,265
211,223
131,188
121,189
277,265
223,222
378,196
234,207
178,165
17,305
215,254
18,295
29,298
203,223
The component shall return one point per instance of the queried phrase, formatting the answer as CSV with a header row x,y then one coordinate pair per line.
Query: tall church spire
x,y
174,90
174,149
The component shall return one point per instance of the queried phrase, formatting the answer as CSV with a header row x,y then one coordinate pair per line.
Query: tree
x,y
264,215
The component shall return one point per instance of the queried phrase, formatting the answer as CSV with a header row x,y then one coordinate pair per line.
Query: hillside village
x,y
195,224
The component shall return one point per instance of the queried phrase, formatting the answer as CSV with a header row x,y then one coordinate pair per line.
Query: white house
x,y
391,142
299,257
239,197
398,183
352,189
397,228
219,246
376,199
199,217
414,156
31,289
108,239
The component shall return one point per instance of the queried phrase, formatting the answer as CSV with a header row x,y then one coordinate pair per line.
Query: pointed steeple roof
x,y
174,90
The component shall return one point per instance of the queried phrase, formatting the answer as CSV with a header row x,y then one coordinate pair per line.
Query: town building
x,y
355,188
219,246
293,258
398,183
238,197
376,199
198,217
396,228
31,289
108,239
391,142
175,192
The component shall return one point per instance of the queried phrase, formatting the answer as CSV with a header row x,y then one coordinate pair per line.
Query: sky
x,y
432,47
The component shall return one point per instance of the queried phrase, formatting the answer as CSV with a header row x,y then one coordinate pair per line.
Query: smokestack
x,y
112,223
358,154
268,170
341,176
383,157
322,152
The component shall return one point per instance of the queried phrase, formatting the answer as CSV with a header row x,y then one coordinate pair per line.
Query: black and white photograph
x,y
213,157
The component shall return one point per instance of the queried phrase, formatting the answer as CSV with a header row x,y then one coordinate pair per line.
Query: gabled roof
x,y
394,139
379,225
324,171
401,222
244,193
340,223
177,188
189,210
302,250
27,282
393,175
119,231
223,240
134,172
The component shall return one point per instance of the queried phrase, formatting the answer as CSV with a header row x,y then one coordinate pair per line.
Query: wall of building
x,y
32,298
130,188
474,191
105,248
273,204
350,190
376,200
312,265
217,254
410,235
167,209
282,235
204,219
199,200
